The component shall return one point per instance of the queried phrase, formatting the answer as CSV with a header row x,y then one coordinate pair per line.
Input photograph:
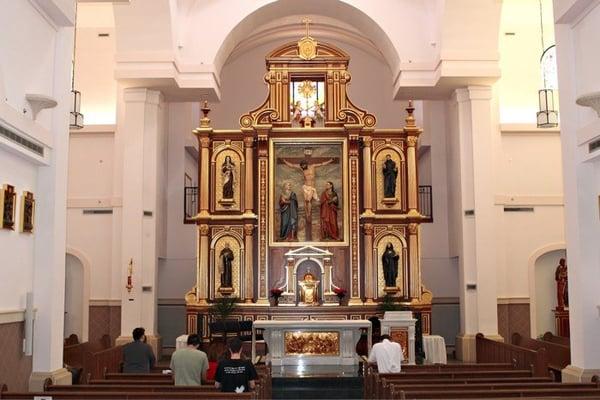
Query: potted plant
x,y
340,293
276,294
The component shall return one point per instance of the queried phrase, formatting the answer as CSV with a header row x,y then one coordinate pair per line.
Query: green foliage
x,y
223,307
388,303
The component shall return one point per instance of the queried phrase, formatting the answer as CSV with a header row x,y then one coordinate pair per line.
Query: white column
x,y
144,155
581,176
472,158
50,231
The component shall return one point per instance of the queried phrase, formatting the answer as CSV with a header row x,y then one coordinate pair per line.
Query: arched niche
x,y
235,153
401,249
77,294
381,150
236,244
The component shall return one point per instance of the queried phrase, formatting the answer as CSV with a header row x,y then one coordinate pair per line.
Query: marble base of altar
x,y
324,342
400,325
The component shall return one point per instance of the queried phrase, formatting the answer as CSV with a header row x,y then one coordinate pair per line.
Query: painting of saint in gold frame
x,y
308,192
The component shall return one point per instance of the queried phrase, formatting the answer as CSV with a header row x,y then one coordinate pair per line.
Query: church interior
x,y
307,176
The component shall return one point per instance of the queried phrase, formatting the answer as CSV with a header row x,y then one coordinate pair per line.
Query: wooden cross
x,y
306,21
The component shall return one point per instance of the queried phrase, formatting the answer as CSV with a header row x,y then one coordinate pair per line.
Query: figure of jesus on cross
x,y
307,166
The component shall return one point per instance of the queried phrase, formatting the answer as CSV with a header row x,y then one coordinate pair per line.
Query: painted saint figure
x,y
390,173
308,188
288,207
226,266
329,211
227,170
389,259
562,293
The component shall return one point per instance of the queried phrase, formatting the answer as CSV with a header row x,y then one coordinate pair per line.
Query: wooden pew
x,y
550,337
375,387
496,394
139,377
559,356
491,351
73,354
391,391
212,395
95,365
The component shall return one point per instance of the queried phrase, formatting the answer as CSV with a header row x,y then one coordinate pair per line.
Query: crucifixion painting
x,y
311,171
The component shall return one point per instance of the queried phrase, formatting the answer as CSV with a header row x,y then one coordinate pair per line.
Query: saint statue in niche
x,y
329,211
227,171
288,207
562,290
390,173
309,289
389,259
226,266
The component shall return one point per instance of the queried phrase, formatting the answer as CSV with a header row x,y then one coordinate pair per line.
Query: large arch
x,y
335,9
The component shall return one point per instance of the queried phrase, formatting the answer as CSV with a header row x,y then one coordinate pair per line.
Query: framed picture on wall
x,y
27,212
8,203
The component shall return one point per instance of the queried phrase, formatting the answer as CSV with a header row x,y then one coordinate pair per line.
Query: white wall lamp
x,y
547,117
76,117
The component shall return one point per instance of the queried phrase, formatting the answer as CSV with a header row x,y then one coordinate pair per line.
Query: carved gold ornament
x,y
312,343
307,46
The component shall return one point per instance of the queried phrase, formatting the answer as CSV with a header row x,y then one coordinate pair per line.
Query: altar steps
x,y
317,387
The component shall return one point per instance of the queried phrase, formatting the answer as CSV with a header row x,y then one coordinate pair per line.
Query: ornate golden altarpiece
x,y
266,223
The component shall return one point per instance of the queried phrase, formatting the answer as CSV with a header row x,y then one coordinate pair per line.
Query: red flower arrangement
x,y
339,292
276,293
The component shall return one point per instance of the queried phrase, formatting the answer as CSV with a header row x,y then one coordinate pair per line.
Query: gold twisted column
x,y
414,261
203,187
370,270
411,156
248,264
202,268
367,184
249,180
412,136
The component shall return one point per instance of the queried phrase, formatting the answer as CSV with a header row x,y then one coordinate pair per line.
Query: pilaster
x,y
474,212
143,133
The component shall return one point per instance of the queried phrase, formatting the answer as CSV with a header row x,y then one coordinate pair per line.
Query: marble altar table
x,y
326,342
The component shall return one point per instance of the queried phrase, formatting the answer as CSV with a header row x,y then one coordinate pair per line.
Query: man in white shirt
x,y
387,355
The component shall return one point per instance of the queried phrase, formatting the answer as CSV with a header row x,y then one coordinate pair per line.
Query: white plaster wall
x,y
545,290
176,272
520,58
536,153
371,87
91,165
27,49
16,248
94,74
440,273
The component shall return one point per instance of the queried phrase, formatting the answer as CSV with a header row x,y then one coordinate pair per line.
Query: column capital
x,y
367,141
203,229
204,142
142,95
368,229
249,141
411,141
248,229
462,95
413,228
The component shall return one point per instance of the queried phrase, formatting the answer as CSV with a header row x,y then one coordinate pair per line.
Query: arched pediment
x,y
325,52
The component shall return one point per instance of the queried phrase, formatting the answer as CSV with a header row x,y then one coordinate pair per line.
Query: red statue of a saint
x,y
329,210
561,285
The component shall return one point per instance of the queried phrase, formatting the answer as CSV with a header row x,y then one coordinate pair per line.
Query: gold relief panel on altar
x,y
389,168
227,258
308,192
312,343
227,176
390,248
400,335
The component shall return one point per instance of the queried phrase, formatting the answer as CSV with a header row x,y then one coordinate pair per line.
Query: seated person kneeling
x,y
235,375
138,357
189,364
387,355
